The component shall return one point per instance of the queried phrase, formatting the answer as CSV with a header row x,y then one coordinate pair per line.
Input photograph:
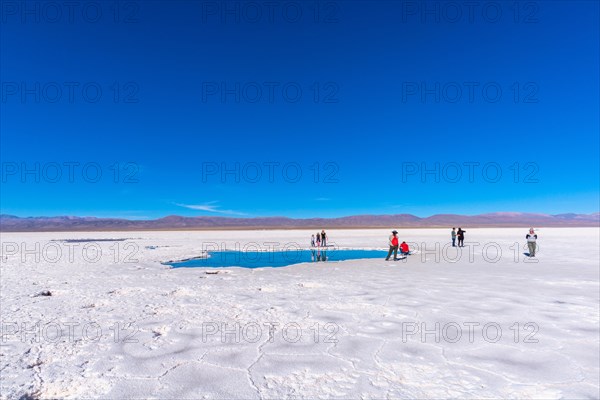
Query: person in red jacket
x,y
393,242
404,249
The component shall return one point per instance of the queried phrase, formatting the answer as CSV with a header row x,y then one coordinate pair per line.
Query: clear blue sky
x,y
346,88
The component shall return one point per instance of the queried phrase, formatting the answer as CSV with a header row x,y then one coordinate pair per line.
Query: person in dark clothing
x,y
323,238
461,237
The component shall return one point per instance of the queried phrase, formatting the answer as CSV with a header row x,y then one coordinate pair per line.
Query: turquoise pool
x,y
260,259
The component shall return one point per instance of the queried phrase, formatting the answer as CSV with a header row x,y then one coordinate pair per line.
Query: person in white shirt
x,y
531,242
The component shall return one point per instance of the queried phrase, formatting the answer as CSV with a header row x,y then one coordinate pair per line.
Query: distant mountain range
x,y
11,223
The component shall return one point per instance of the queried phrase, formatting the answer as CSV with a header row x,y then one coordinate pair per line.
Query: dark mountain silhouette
x,y
11,223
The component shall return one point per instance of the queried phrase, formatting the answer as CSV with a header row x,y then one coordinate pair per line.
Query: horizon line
x,y
145,218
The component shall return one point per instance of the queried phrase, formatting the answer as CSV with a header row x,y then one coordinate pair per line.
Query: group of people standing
x,y
531,238
394,245
320,240
460,235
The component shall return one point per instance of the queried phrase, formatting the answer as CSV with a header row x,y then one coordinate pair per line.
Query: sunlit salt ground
x,y
488,322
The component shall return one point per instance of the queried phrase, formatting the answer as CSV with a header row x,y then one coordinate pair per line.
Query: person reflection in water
x,y
318,255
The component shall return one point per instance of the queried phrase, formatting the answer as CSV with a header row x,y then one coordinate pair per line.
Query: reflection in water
x,y
318,255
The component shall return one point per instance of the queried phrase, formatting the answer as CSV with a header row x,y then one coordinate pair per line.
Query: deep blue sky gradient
x,y
369,53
